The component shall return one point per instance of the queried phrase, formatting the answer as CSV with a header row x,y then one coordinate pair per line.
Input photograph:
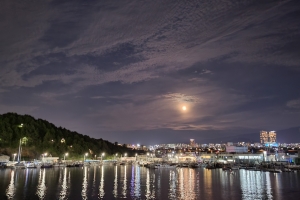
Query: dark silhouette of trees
x,y
39,136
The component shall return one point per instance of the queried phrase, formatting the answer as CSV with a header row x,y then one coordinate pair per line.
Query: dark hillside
x,y
39,136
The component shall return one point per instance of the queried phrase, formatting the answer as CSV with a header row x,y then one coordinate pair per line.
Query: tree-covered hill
x,y
39,136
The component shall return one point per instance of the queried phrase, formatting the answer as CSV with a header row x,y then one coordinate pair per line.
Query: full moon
x,y
183,108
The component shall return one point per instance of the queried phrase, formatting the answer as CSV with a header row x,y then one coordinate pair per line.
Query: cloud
x,y
293,104
100,34
181,97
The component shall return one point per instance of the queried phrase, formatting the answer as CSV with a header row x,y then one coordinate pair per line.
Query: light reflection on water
x,y
41,188
134,182
10,192
101,187
84,183
115,192
64,185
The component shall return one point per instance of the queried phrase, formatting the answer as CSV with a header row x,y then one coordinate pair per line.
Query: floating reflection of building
x,y
10,191
41,188
101,186
84,184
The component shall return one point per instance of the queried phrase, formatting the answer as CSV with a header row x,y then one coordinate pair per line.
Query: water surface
x,y
134,182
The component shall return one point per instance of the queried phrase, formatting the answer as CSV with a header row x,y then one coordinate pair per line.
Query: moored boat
x,y
164,166
31,165
46,165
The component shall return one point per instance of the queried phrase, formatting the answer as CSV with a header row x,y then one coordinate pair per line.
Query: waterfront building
x,y
229,143
4,158
236,149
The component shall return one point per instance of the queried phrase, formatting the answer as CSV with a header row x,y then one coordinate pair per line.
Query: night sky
x,y
123,70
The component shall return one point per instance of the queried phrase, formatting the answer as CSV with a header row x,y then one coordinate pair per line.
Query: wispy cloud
x,y
181,97
293,104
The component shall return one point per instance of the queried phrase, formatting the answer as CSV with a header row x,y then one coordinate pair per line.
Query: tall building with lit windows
x,y
272,136
267,137
264,137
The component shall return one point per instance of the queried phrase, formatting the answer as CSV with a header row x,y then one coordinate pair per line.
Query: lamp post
x,y
44,154
14,157
66,154
102,155
86,154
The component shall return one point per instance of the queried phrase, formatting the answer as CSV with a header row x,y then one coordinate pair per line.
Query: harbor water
x,y
135,182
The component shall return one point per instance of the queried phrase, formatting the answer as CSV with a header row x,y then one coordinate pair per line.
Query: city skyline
x,y
150,72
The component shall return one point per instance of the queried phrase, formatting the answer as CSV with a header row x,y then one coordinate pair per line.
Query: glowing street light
x,y
125,154
14,156
86,154
102,155
66,154
44,154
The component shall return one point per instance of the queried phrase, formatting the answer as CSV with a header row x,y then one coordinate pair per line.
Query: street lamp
x,y
66,154
125,154
44,154
86,154
14,157
102,155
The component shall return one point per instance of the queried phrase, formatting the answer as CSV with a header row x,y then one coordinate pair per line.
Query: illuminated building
x,y
267,137
272,136
264,137
192,142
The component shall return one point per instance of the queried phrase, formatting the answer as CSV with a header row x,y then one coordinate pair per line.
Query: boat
x,y
210,167
31,165
78,165
46,165
274,170
286,170
19,165
194,165
59,165
164,166
226,168
184,165
235,168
